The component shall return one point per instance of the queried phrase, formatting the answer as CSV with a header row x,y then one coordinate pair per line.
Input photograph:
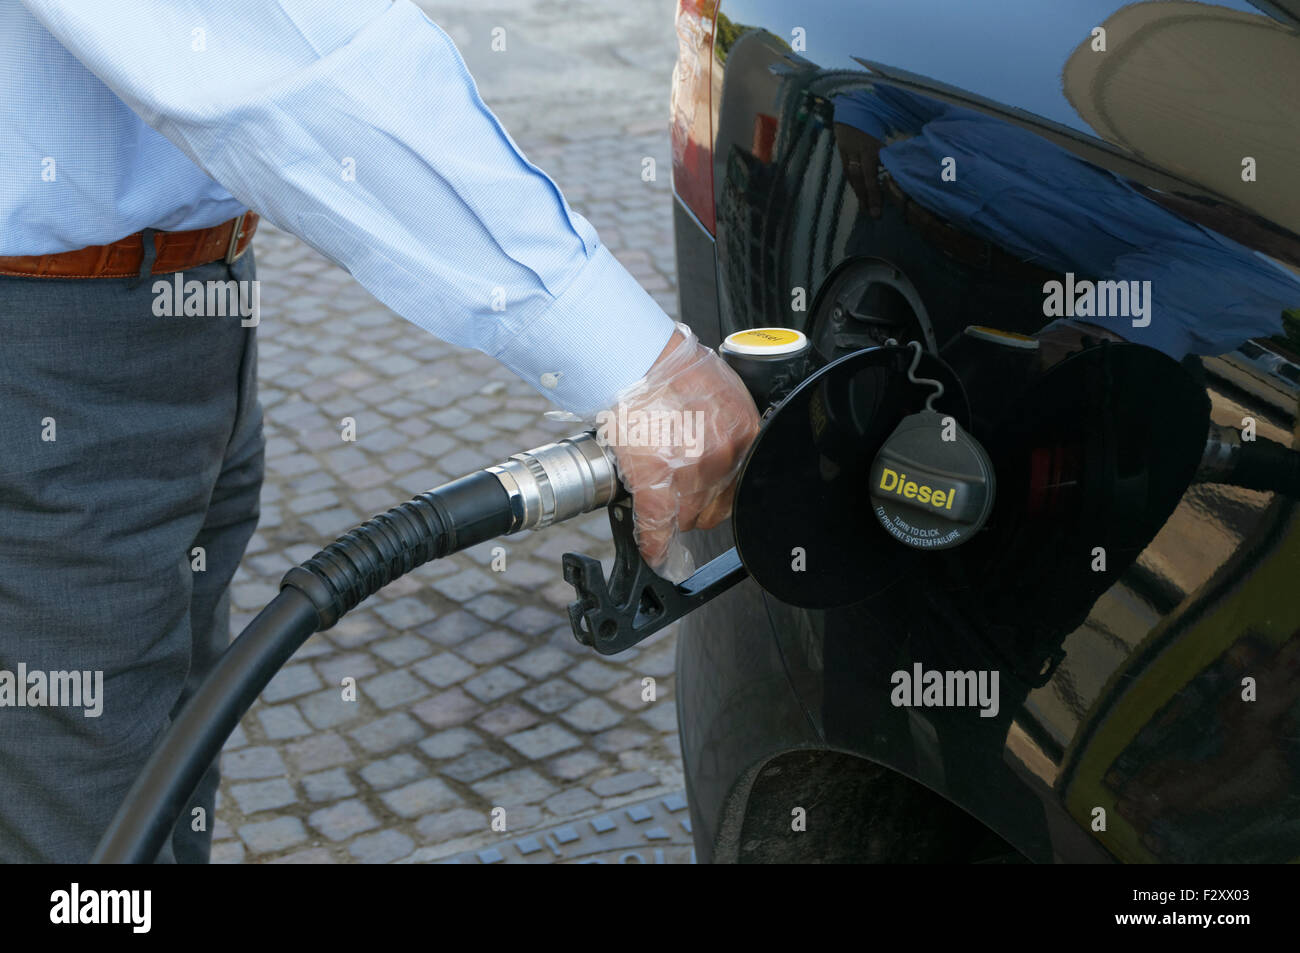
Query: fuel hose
x,y
531,490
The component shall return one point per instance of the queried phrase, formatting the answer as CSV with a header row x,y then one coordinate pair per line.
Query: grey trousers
x,y
126,441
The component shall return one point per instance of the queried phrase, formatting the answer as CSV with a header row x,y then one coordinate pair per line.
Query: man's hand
x,y
679,436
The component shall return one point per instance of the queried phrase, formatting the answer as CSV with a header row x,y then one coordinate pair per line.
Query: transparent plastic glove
x,y
679,436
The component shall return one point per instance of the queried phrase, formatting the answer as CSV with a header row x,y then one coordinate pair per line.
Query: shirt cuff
x,y
599,335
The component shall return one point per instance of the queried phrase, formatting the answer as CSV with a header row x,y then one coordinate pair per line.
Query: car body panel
x,y
1122,692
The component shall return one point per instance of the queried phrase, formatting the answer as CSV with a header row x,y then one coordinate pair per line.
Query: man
x,y
135,137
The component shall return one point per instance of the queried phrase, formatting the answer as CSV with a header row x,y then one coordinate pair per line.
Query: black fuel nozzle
x,y
770,362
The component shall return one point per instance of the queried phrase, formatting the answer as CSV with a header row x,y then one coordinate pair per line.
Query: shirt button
x,y
551,380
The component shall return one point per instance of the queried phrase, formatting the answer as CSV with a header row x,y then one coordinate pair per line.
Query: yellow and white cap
x,y
765,342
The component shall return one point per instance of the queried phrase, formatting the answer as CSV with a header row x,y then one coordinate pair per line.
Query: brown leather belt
x,y
123,258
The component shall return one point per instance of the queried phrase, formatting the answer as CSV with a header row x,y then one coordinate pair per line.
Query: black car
x,y
1085,214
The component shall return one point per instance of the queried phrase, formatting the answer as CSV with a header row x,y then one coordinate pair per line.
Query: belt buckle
x,y
236,234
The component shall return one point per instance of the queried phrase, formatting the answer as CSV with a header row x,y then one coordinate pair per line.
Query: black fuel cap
x,y
932,483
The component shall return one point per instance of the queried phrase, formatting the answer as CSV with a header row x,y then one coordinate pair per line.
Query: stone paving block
x,y
576,764
349,665
433,445
313,648
452,629
324,750
313,502
252,595
381,441
283,721
394,689
391,772
557,542
448,825
661,716
658,664
591,715
300,553
531,620
553,696
477,432
357,629
410,584
443,669
451,418
343,820
271,564
521,786
629,694
485,554
452,707
313,855
540,662
405,613
527,574
623,783
329,785
252,763
491,647
620,739
467,459
522,817
559,594
411,426
368,478
542,741
401,461
465,585
381,848
386,733
503,719
402,650
483,402
595,676
493,684
513,421
491,606
291,681
328,709
375,500
343,459
570,802
267,836
328,525
418,481
227,852
451,743
263,795
474,765
421,797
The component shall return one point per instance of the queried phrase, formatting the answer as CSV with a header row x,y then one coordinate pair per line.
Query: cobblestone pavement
x,y
471,693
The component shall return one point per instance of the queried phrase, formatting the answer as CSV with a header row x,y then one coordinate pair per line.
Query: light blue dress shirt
x,y
353,124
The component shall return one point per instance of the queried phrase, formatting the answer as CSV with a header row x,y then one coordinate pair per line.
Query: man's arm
x,y
355,125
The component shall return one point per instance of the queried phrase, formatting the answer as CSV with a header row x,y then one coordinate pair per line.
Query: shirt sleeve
x,y
355,125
